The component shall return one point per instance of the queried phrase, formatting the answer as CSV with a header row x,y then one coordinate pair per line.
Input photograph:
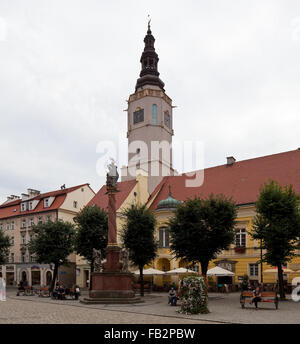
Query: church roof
x,y
101,198
241,180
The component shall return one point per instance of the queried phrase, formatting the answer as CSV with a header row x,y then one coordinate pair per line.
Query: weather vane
x,y
149,21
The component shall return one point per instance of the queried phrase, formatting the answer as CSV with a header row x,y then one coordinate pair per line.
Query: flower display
x,y
193,295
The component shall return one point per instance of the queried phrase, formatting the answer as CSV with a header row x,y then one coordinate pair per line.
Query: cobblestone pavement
x,y
224,308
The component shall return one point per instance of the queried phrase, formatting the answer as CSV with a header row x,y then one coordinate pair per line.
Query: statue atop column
x,y
112,176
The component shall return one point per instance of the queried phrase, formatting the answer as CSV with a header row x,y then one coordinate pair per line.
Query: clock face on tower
x,y
167,120
138,116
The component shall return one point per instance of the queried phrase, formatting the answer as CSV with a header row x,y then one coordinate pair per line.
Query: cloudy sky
x,y
67,67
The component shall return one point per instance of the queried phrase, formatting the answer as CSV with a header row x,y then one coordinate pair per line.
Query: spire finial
x,y
149,21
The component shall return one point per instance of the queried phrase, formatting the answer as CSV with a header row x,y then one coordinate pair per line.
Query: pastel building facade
x,y
19,214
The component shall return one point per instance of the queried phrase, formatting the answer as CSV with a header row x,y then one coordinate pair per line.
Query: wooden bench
x,y
27,291
44,292
266,296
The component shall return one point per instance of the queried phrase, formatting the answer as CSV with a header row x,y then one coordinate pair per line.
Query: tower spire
x,y
149,74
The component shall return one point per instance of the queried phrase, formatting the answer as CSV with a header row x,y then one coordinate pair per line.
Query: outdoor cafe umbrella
x,y
179,271
217,271
150,271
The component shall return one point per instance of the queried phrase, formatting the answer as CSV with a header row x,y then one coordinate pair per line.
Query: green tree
x,y
138,237
92,232
52,243
201,228
4,247
277,224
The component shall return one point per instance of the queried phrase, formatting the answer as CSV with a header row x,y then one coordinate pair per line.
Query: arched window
x,y
154,114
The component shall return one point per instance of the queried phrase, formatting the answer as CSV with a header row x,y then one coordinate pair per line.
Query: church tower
x,y
149,122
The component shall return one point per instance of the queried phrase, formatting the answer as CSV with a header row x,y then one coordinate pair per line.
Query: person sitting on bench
x,y
257,296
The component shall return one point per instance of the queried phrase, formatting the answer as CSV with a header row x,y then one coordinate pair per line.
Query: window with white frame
x,y
32,258
23,257
23,240
23,223
30,205
40,220
253,270
12,225
7,226
46,202
240,237
23,206
31,222
12,241
164,237
75,204
48,218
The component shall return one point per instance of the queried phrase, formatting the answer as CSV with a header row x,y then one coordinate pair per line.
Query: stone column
x,y
113,250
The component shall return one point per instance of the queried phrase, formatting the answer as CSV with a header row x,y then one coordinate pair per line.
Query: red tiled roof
x,y
101,198
241,181
7,209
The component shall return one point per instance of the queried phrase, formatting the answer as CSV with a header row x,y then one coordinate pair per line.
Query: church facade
x,y
150,178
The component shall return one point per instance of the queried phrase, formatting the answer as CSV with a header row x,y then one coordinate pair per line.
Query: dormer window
x,y
30,205
46,202
23,206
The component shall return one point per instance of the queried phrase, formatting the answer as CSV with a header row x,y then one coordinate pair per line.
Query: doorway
x,y
48,278
35,277
10,278
86,278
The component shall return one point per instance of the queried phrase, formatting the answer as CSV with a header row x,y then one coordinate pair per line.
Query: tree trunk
x,y
91,277
142,280
280,282
204,267
54,277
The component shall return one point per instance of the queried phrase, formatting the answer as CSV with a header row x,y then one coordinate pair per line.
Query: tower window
x,y
138,116
167,120
154,114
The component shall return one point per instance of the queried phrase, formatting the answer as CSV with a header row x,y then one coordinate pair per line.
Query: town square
x,y
179,205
